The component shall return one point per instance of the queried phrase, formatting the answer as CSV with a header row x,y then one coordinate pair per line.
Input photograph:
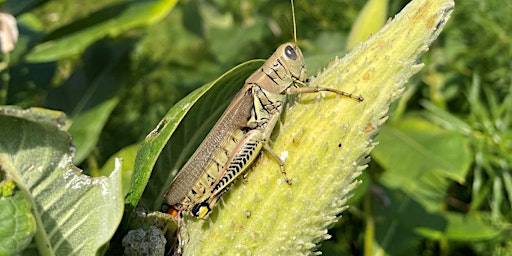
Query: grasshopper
x,y
243,130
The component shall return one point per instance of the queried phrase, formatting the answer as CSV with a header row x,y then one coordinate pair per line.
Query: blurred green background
x,y
439,182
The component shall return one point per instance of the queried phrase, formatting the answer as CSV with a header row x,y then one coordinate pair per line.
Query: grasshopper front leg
x,y
303,90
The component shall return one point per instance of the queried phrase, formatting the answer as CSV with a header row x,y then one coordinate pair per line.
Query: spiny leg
x,y
301,90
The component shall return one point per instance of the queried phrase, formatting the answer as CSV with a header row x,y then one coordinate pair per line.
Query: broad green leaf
x,y
324,141
463,227
192,129
404,223
370,20
396,224
87,126
421,159
472,227
110,21
75,214
17,224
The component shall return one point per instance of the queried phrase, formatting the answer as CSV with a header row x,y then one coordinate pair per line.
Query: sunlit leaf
x,y
422,158
75,214
110,21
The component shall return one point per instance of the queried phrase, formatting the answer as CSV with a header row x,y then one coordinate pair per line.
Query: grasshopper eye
x,y
290,52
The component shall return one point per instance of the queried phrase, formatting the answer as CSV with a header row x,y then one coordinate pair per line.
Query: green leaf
x,y
110,21
421,159
87,127
464,227
399,224
17,224
403,224
75,214
471,227
193,127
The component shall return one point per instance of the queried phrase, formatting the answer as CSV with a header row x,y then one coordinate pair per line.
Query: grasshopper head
x,y
293,61
285,67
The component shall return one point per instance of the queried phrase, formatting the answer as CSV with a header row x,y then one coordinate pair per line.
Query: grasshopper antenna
x,y
294,24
